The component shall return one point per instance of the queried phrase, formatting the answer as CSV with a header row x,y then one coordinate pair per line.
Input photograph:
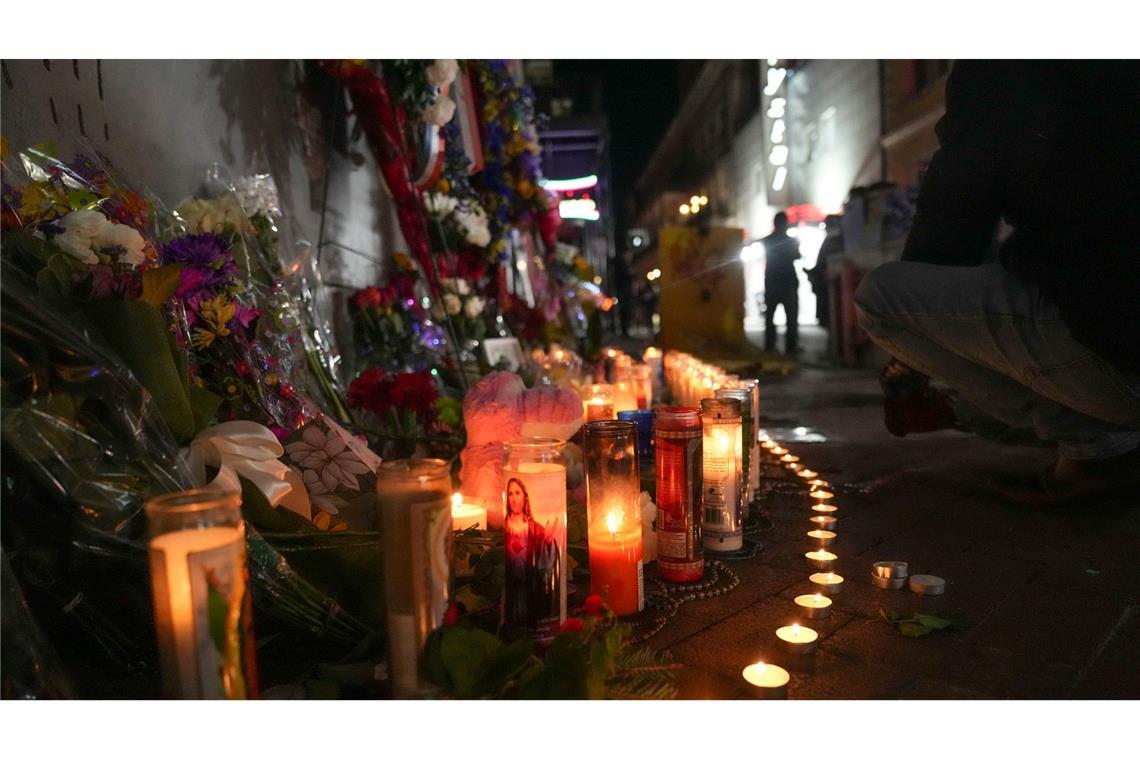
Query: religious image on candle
x,y
203,613
534,529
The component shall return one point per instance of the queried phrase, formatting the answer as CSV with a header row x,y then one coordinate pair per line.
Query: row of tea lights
x,y
771,681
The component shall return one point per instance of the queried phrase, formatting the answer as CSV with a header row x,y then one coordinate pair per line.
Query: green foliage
x,y
919,624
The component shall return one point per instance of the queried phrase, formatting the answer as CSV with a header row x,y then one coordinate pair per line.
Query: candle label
x,y
534,530
206,637
679,548
722,506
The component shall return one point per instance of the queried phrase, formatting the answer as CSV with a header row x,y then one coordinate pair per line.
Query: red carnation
x,y
371,391
594,605
368,297
572,624
415,391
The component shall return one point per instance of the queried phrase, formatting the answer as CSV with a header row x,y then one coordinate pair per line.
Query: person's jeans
x,y
790,299
1004,347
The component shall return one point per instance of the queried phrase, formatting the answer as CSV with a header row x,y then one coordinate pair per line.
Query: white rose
x,y
85,223
439,112
479,237
451,303
440,205
77,246
473,308
442,72
127,238
462,288
450,284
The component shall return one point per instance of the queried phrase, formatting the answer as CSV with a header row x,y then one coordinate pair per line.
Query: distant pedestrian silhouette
x,y
781,285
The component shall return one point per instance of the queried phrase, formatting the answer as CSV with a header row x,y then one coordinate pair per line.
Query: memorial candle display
x,y
413,502
534,537
198,569
597,402
747,437
722,506
680,552
613,515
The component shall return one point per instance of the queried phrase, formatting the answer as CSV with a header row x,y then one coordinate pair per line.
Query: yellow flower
x,y
443,186
216,313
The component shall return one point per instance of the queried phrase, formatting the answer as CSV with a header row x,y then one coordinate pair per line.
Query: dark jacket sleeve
x,y
959,201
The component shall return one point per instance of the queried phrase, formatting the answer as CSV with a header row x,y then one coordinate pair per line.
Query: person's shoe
x,y
1071,482
910,405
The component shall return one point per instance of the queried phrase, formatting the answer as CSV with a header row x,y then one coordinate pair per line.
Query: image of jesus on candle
x,y
533,560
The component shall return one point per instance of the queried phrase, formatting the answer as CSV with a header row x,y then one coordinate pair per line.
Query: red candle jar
x,y
680,554
613,491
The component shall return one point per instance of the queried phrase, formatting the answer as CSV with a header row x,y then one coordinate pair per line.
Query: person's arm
x,y
959,201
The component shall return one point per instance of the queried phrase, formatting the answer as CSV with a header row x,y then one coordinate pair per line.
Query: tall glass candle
x,y
722,507
613,490
597,402
747,436
625,390
642,378
413,501
680,552
534,535
200,589
643,418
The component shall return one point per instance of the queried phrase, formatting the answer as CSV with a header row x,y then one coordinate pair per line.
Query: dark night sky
x,y
639,97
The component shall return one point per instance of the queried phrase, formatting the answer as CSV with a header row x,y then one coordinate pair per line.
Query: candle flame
x,y
795,628
830,577
818,598
456,501
612,522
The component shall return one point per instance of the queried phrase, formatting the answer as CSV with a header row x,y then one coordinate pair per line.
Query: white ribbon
x,y
252,451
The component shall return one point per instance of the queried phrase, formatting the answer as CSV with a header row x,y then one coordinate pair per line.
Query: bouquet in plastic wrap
x,y
97,396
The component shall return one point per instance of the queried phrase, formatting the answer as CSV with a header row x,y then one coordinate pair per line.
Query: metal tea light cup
x,y
889,575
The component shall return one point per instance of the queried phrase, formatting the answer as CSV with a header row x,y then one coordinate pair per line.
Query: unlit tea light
x,y
829,584
797,639
768,681
814,606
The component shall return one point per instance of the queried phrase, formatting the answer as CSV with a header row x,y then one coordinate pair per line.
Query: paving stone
x,y
694,683
1115,673
1005,674
927,688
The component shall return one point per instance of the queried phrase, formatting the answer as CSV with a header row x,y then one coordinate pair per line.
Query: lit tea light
x,y
821,495
818,484
769,681
768,443
788,458
828,584
814,606
821,559
466,515
824,508
806,473
797,639
824,522
825,537
778,451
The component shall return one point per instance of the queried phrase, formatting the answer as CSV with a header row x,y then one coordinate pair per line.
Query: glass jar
x,y
414,515
200,589
747,437
534,537
597,402
613,514
680,552
722,507
643,418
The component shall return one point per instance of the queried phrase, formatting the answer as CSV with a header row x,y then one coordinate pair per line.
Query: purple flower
x,y
209,264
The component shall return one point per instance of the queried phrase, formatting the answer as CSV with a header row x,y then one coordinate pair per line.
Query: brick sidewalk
x,y
1052,600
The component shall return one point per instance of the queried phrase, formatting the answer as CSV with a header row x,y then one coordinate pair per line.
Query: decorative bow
x,y
244,449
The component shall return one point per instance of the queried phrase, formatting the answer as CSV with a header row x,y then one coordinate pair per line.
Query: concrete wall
x,y
164,123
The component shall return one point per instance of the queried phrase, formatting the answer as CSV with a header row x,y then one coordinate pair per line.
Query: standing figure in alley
x,y
817,275
1044,337
781,283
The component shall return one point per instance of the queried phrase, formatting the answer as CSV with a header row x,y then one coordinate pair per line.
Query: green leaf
x,y
507,663
257,510
159,284
466,654
933,621
203,404
913,630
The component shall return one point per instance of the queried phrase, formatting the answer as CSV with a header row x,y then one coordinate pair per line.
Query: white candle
x,y
770,681
824,508
806,473
821,559
814,606
797,639
465,514
824,522
827,583
825,537
821,495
